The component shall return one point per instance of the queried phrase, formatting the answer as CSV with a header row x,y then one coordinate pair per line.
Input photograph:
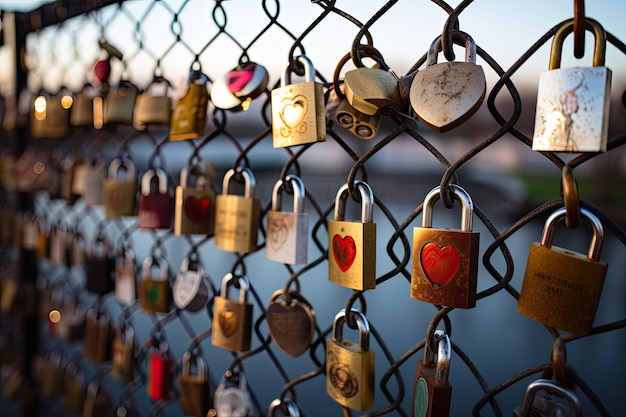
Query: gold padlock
x,y
82,108
154,106
350,366
232,321
352,244
120,195
123,354
120,104
237,217
50,116
52,376
155,287
190,112
373,91
298,110
195,388
194,211
359,124
97,336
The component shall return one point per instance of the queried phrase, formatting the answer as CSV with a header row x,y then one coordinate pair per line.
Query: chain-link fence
x,y
392,124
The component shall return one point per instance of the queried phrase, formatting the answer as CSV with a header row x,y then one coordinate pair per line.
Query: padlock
x,y
562,288
194,212
239,87
79,179
573,104
160,368
153,106
288,232
154,207
58,242
352,244
232,397
82,108
445,261
533,404
237,217
99,267
444,95
125,276
298,109
94,182
97,402
350,366
52,376
275,407
432,391
291,322
373,91
68,171
194,387
190,112
120,103
75,250
97,336
50,116
191,288
120,195
359,124
123,354
232,320
74,389
155,287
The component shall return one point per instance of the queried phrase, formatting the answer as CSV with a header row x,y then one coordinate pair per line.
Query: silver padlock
x,y
545,406
274,409
191,289
125,276
232,398
94,182
288,232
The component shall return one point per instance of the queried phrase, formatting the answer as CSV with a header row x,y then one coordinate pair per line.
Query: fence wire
x,y
168,40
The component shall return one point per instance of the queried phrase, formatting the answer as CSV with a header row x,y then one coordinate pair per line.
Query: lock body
x,y
120,103
50,117
159,385
573,104
191,289
120,195
98,268
123,356
232,397
298,110
82,108
361,125
155,287
432,392
562,288
154,206
190,112
445,261
52,377
97,337
372,91
352,244
350,366
97,403
194,388
94,180
74,391
232,320
194,212
237,217
153,107
291,322
125,281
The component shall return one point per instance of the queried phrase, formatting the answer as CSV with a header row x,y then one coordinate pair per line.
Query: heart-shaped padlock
x,y
191,289
291,321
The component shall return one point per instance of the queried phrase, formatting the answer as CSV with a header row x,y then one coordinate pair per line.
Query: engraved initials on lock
x,y
232,321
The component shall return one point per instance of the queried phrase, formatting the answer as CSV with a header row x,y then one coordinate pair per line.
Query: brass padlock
x,y
562,288
239,87
191,288
50,116
237,217
445,261
154,207
97,336
125,276
533,403
74,389
359,124
68,322
153,106
190,112
232,397
120,195
120,103
97,402
298,110
94,182
350,366
352,244
444,95
288,232
289,407
82,108
123,354
155,286
373,91
432,392
291,322
573,104
194,211
194,387
232,320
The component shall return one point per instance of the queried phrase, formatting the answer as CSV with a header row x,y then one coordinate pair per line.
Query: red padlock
x,y
155,207
159,371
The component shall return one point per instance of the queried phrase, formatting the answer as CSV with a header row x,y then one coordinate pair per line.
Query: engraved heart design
x,y
293,110
277,233
197,209
440,264
238,79
291,326
344,250
229,322
185,288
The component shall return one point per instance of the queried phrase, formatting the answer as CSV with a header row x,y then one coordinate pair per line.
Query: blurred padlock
x,y
154,106
82,108
190,112
155,286
154,206
94,182
123,354
119,196
120,103
97,337
239,87
125,276
99,267
194,386
50,115
194,212
232,320
160,368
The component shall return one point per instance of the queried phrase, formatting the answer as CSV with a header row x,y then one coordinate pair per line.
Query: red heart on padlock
x,y
344,250
102,70
197,209
440,264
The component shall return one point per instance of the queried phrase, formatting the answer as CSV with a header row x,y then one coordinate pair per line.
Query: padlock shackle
x,y
567,27
146,181
442,366
459,38
547,385
248,179
367,201
595,247
227,376
201,365
201,179
362,325
153,261
309,71
244,286
126,163
298,193
459,194
275,406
